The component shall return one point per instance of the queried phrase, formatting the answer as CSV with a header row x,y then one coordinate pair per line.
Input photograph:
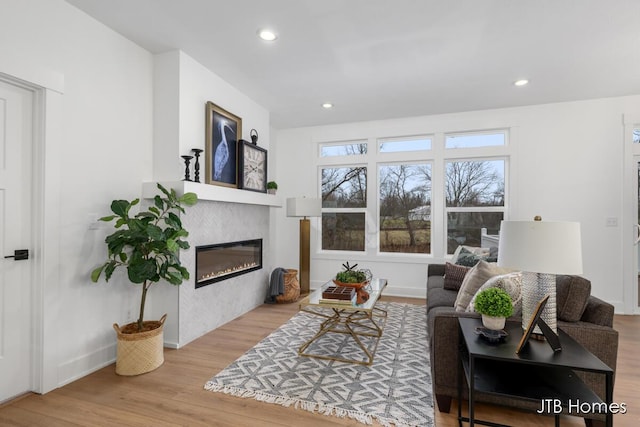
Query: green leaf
x,y
154,210
159,202
155,232
173,220
140,271
174,277
164,190
109,269
95,274
120,222
183,244
123,257
107,218
189,199
120,207
183,271
172,245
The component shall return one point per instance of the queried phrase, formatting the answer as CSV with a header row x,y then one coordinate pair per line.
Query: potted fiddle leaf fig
x,y
495,305
147,245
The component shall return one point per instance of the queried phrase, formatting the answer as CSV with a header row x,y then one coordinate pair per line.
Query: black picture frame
x,y
551,337
252,167
223,130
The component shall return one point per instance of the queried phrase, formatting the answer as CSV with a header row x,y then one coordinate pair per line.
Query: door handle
x,y
19,254
637,227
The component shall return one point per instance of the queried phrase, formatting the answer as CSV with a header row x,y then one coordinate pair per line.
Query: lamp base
x,y
536,286
305,246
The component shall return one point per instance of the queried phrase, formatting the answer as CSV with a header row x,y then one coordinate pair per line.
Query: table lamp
x,y
304,207
541,249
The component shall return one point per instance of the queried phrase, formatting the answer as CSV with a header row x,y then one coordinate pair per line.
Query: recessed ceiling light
x,y
521,82
267,35
327,105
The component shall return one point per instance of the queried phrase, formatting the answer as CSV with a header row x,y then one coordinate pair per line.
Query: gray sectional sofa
x,y
584,317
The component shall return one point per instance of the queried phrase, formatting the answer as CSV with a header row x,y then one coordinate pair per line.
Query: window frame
x,y
437,157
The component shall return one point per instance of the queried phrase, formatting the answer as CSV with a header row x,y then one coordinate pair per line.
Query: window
x,y
405,208
344,199
387,201
395,145
475,199
474,140
636,136
343,149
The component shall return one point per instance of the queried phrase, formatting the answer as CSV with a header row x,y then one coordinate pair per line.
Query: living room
x,y
118,115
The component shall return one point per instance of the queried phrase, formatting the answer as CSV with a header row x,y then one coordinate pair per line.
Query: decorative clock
x,y
252,167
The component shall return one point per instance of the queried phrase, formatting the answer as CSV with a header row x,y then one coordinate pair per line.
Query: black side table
x,y
537,373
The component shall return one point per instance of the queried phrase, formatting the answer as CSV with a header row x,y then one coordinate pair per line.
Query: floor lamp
x,y
541,249
304,207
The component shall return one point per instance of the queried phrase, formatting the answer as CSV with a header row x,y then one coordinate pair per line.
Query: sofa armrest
x,y
435,270
600,340
598,312
444,331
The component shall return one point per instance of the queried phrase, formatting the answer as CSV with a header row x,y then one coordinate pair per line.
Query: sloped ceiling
x,y
377,59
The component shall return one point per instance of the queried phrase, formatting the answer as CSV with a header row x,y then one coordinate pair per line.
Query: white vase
x,y
492,322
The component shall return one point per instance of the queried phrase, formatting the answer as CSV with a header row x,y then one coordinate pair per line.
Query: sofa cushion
x,y
572,296
475,278
469,256
511,283
454,275
440,297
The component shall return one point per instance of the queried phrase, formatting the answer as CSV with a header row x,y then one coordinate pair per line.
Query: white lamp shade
x,y
303,206
541,246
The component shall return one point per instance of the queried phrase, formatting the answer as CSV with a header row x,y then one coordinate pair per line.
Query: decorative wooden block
x,y
339,293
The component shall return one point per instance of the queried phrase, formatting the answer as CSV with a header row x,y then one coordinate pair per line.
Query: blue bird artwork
x,y
221,156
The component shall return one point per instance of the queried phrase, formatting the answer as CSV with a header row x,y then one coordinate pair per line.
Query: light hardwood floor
x,y
173,395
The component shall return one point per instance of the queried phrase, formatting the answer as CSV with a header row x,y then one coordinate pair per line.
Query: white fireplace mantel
x,y
213,193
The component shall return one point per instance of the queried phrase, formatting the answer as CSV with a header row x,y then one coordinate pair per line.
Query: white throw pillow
x,y
511,283
476,277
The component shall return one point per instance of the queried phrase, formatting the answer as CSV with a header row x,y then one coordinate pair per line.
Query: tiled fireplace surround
x,y
204,309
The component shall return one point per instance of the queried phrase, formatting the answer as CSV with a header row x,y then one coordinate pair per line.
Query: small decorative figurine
x,y
254,136
196,165
186,167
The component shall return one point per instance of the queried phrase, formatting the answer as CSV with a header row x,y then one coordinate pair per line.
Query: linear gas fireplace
x,y
225,260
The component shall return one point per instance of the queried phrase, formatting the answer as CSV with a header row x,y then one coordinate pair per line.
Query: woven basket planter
x,y
140,352
291,287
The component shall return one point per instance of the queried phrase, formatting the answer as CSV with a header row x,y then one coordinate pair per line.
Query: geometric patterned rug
x,y
395,390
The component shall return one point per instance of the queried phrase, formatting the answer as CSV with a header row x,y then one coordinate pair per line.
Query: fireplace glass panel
x,y
223,261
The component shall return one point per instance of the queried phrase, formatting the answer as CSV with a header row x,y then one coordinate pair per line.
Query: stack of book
x,y
339,295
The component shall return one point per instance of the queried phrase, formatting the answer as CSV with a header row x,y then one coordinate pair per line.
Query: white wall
x,y
566,165
104,123
182,89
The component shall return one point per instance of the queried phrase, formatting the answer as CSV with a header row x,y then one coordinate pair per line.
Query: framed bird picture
x,y
252,167
223,130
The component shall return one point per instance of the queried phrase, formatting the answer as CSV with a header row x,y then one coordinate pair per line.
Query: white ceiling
x,y
377,59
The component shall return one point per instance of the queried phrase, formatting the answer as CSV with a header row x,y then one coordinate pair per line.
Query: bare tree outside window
x,y
473,184
344,188
477,183
405,208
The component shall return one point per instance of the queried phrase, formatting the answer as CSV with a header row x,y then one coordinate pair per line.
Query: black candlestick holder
x,y
196,165
187,159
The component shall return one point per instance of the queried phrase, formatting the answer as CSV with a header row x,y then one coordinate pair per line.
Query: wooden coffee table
x,y
354,320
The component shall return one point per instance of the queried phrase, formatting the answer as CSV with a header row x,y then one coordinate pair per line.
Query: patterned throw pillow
x,y
511,283
475,278
469,256
454,275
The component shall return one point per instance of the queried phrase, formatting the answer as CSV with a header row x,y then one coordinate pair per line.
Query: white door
x,y
16,140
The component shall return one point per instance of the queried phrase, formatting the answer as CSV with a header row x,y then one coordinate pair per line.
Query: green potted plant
x,y
356,278
147,244
272,187
495,305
